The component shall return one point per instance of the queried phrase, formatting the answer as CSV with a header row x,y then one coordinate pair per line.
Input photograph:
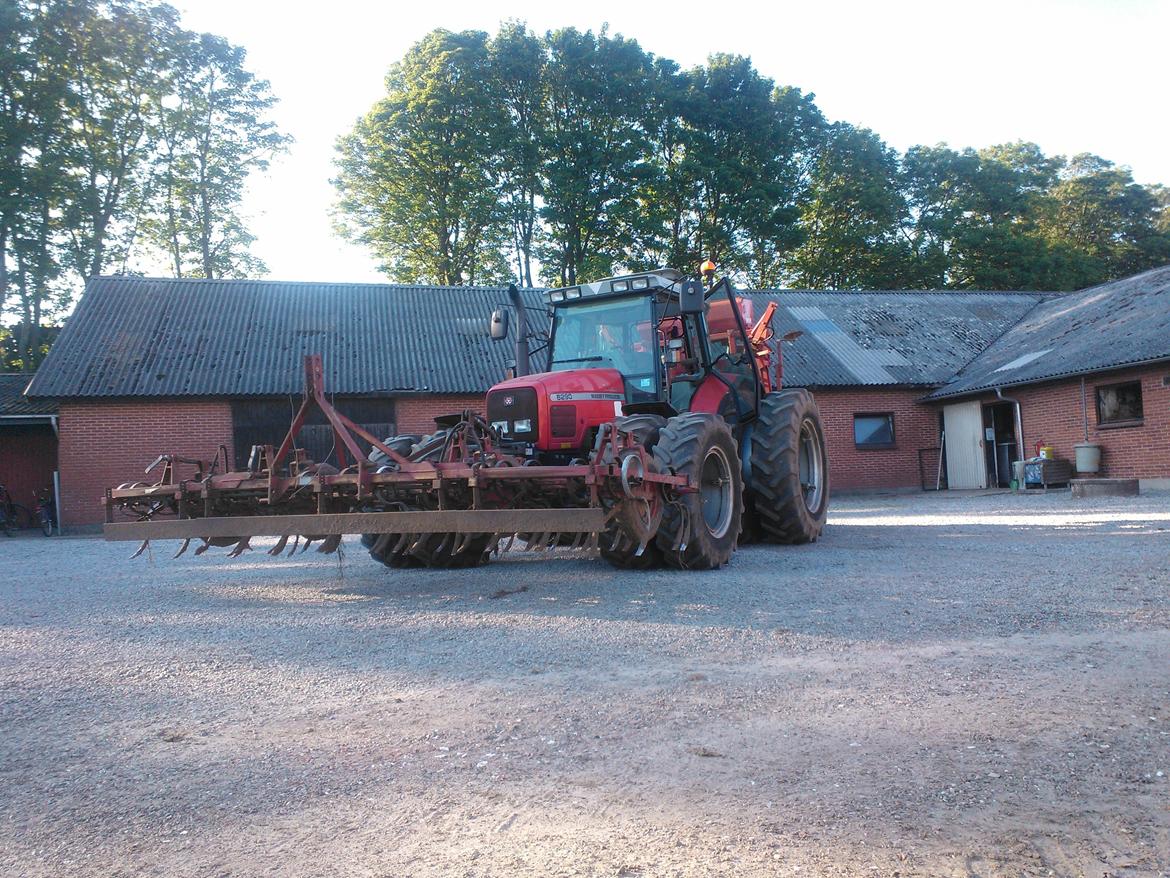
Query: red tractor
x,y
656,434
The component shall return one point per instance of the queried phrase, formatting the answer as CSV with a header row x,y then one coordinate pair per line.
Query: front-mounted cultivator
x,y
444,500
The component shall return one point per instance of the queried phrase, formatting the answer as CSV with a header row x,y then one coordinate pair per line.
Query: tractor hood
x,y
556,410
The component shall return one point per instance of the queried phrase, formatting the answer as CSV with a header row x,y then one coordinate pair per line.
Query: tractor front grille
x,y
506,408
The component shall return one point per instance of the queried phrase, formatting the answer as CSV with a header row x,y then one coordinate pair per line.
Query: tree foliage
x,y
583,154
122,136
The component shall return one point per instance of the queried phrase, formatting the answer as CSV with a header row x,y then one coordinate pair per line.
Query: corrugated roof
x,y
166,337
13,402
873,338
1105,327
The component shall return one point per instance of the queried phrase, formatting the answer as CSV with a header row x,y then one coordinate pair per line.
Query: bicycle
x,y
13,516
47,511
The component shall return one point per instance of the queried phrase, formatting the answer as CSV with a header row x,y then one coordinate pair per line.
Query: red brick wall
x,y
106,443
28,456
1052,412
853,468
416,414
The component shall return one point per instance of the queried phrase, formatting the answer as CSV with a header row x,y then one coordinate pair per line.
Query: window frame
x,y
1115,424
876,446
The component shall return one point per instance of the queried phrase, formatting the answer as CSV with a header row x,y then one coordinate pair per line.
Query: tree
x,y
596,152
852,216
518,68
212,133
419,175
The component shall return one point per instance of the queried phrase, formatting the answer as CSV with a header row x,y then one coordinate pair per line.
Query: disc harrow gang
x,y
449,499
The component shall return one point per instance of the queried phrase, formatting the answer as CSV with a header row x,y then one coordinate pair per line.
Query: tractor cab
x,y
655,342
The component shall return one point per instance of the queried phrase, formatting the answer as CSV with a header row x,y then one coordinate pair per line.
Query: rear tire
x,y
706,529
790,468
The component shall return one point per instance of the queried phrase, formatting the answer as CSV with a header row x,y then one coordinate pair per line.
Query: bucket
x,y
1088,457
1047,452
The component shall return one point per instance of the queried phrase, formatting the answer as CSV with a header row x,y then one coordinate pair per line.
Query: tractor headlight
x,y
557,296
523,426
620,286
639,283
573,293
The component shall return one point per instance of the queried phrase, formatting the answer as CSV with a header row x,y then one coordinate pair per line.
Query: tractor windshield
x,y
614,334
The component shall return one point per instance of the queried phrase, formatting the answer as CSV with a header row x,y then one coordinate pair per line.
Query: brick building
x,y
28,441
197,368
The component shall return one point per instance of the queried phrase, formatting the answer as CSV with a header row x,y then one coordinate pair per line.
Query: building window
x,y
1119,404
873,431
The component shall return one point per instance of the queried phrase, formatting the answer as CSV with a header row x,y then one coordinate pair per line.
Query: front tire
x,y
790,468
700,530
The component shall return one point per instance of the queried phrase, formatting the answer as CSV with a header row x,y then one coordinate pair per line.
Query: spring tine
x,y
296,542
461,546
446,541
199,550
380,544
400,546
279,547
578,541
594,540
511,540
617,538
308,542
182,548
417,544
494,544
329,544
141,549
241,547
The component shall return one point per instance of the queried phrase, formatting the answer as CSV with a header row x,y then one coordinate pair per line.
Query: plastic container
x,y
1047,452
1088,457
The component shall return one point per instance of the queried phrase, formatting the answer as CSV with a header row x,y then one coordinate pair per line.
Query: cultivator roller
x,y
446,500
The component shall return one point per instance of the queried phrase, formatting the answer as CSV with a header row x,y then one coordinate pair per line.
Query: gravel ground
x,y
943,686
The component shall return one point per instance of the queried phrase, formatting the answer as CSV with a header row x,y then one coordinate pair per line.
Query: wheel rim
x,y
715,492
812,465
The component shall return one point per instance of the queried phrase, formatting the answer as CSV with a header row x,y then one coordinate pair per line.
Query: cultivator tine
x,y
182,548
279,547
461,546
199,550
380,544
308,542
296,542
141,549
617,541
330,544
594,540
511,541
400,546
244,545
579,541
446,541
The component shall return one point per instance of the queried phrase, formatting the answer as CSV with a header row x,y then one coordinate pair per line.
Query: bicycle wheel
x,y
46,524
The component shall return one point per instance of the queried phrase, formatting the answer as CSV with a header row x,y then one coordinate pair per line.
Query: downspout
x,y
1019,422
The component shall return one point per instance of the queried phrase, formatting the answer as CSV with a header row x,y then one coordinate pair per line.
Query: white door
x,y
966,466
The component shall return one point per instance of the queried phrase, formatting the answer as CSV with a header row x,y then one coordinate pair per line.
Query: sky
x,y
1072,76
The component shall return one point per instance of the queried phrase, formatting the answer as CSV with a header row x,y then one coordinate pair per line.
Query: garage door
x,y
965,463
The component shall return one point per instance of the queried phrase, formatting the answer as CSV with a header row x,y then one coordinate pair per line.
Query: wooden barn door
x,y
966,466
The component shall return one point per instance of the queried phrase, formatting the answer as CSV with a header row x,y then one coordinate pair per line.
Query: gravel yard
x,y
945,685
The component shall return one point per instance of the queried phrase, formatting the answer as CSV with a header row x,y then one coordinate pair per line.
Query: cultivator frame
x,y
467,484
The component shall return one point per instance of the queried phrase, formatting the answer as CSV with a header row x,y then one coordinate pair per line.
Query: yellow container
x,y
1047,452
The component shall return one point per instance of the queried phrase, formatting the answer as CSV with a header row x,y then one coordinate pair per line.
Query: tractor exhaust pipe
x,y
523,363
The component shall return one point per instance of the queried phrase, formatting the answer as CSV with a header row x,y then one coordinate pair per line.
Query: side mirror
x,y
690,297
498,328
